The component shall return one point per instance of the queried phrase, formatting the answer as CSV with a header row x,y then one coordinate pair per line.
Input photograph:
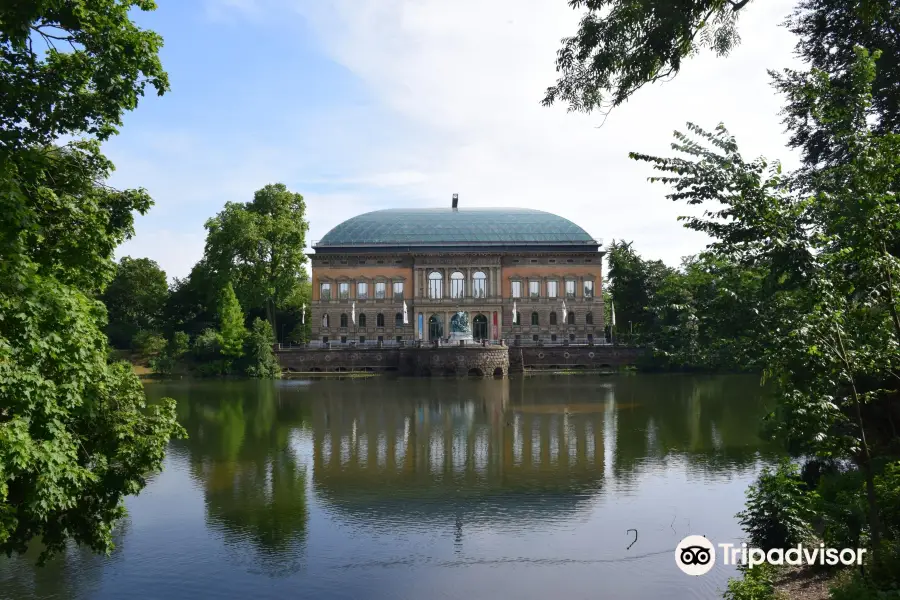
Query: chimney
x,y
455,201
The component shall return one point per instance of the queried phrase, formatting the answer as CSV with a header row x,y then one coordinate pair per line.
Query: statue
x,y
460,330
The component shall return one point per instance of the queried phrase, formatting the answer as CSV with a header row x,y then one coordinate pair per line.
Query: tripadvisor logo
x,y
696,555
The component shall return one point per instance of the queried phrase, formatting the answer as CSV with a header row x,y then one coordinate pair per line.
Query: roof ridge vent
x,y
455,202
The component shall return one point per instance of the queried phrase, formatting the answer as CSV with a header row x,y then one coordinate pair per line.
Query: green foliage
x,y
879,581
75,434
778,511
261,360
232,332
757,583
73,67
176,349
703,315
623,44
149,344
828,32
887,488
841,509
823,240
135,299
259,247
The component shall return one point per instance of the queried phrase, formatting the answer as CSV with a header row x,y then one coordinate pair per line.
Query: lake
x,y
431,488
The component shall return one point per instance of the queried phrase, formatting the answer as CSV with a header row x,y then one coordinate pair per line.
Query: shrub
x,y
168,360
148,343
778,508
757,583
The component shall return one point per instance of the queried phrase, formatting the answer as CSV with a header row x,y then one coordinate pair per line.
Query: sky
x,y
367,104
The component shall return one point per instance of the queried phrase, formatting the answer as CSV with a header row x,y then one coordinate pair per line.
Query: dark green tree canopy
x,y
259,247
135,299
72,67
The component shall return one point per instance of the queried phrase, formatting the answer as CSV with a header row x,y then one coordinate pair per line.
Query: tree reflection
x,y
241,451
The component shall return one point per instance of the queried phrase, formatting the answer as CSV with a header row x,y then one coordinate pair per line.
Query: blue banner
x,y
421,325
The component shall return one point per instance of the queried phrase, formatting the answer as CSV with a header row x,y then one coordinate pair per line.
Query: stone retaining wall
x,y
491,361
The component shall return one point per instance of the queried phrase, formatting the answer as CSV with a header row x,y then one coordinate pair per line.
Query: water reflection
x,y
253,480
323,489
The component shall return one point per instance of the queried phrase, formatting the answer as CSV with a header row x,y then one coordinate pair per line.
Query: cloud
x,y
442,98
471,74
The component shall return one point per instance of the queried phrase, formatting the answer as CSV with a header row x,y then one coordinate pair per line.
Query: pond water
x,y
430,488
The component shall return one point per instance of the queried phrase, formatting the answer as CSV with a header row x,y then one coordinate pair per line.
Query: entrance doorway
x,y
480,327
435,328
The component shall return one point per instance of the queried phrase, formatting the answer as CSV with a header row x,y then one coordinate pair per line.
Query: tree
x,y
621,45
830,327
259,246
232,332
135,299
261,361
76,435
72,67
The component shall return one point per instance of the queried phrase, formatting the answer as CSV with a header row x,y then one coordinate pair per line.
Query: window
x,y
570,318
479,285
571,337
344,291
380,290
398,319
343,339
399,338
516,289
552,337
362,290
398,290
535,319
570,288
435,285
325,339
380,339
590,338
362,339
344,319
362,319
518,318
534,289
534,338
589,319
588,289
552,289
325,321
379,320
457,285
553,318
325,293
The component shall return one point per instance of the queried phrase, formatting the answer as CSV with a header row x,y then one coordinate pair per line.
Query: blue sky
x,y
367,104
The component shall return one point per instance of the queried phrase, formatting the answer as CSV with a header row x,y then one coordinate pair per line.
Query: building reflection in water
x,y
469,442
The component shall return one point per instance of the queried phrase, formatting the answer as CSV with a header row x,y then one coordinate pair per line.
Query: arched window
x,y
535,320
379,320
343,319
325,320
589,318
570,318
435,285
553,318
457,285
398,319
362,319
479,285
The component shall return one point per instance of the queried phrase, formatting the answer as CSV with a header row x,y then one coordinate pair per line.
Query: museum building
x,y
400,275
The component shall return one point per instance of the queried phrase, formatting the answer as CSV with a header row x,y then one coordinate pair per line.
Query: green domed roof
x,y
446,226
